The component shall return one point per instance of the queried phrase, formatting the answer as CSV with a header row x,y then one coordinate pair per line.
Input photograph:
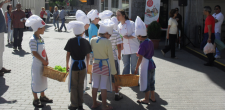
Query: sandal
x,y
141,102
98,104
45,99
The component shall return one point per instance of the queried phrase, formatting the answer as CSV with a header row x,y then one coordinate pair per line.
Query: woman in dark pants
x,y
171,34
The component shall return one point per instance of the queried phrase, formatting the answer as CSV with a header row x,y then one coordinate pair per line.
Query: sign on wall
x,y
152,10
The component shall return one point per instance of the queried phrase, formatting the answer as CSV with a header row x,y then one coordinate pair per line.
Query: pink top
x,y
42,14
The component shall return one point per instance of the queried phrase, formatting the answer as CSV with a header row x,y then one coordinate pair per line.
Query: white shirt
x,y
173,23
220,19
130,46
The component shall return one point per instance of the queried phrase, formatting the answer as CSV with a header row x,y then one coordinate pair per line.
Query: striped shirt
x,y
33,43
115,40
97,70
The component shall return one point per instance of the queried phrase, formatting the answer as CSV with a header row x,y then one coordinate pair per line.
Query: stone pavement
x,y
181,84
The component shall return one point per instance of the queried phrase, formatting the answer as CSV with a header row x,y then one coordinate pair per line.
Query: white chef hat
x,y
116,22
77,26
92,14
81,16
106,26
35,22
140,28
105,15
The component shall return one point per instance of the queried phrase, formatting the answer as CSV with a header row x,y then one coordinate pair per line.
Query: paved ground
x,y
181,84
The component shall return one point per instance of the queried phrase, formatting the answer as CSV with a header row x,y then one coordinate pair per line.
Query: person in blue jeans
x,y
62,17
8,21
130,42
56,18
219,21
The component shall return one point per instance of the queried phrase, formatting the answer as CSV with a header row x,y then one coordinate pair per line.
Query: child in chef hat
x,y
104,64
145,54
116,47
81,16
107,14
92,30
78,49
40,58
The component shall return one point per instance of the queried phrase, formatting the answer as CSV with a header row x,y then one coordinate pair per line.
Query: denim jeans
x,y
18,37
10,32
63,24
217,36
117,70
56,21
129,60
151,80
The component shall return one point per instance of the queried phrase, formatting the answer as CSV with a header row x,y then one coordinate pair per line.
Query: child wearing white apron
x,y
145,54
81,16
104,65
78,49
40,59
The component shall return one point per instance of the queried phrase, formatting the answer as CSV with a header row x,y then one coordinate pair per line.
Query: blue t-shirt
x,y
92,31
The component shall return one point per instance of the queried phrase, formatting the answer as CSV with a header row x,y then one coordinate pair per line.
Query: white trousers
x,y
2,47
99,80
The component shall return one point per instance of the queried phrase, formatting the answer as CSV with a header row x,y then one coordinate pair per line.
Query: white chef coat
x,y
130,46
220,19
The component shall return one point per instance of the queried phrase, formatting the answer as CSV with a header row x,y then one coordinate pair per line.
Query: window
x,y
115,6
104,5
125,6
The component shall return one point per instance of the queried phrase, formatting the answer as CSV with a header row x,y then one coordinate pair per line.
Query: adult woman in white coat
x,y
131,44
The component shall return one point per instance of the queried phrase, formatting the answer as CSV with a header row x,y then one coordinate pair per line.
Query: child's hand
x,y
45,63
137,54
136,71
67,68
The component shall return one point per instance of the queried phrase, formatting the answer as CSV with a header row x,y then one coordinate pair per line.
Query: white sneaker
x,y
217,56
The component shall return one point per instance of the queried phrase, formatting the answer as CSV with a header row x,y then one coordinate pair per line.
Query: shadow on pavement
x,y
21,53
48,107
190,61
3,89
154,106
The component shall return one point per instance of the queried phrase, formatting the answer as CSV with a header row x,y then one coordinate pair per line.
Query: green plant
x,y
51,4
154,30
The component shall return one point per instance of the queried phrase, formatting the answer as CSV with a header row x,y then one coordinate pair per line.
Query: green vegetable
x,y
59,68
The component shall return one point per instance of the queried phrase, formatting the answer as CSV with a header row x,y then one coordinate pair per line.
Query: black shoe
x,y
118,97
99,97
45,99
37,104
72,108
5,70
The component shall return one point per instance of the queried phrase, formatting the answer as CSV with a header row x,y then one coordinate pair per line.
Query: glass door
x,y
115,6
104,5
125,6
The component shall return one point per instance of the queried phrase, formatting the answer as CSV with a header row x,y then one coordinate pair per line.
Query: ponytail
x,y
123,13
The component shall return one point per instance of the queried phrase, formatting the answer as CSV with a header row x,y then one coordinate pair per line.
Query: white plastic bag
x,y
209,48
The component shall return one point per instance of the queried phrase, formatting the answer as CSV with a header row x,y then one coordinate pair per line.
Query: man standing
x,y
209,33
2,30
219,21
18,26
62,17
